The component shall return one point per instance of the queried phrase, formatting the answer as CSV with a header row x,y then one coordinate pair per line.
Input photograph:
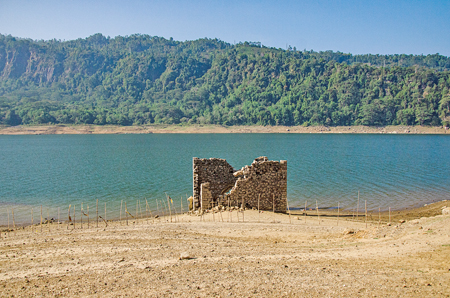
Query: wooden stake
x,y
182,210
174,211
146,209
32,221
389,214
230,219
243,209
259,214
289,210
126,212
170,210
137,212
105,214
96,212
157,208
153,221
58,218
273,207
14,222
81,222
165,207
120,216
74,216
48,219
41,217
305,210
357,208
317,208
379,216
338,215
68,214
88,215
365,212
7,211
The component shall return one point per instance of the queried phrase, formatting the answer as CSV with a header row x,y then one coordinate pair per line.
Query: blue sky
x,y
358,27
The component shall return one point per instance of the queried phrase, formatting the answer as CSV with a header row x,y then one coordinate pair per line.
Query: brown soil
x,y
267,255
112,129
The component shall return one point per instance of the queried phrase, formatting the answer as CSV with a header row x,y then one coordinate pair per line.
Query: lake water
x,y
54,171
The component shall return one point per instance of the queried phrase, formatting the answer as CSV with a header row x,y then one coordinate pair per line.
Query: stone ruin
x,y
216,183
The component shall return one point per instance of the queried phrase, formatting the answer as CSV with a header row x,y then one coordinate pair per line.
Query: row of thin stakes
x,y
84,213
162,208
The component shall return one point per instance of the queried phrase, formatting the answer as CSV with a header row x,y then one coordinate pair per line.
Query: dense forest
x,y
143,79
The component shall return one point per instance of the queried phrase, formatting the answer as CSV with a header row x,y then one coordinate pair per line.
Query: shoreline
x,y
261,255
148,129
373,216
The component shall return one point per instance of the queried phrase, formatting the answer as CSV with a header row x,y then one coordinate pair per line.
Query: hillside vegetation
x,y
143,79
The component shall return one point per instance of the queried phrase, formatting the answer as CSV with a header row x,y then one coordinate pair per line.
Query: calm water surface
x,y
57,170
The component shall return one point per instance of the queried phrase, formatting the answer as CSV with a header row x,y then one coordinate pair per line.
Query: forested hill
x,y
141,79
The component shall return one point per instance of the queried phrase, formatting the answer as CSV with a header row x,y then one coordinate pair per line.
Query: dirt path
x,y
266,256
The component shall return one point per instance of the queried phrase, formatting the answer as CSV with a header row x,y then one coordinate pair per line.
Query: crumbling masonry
x,y
216,183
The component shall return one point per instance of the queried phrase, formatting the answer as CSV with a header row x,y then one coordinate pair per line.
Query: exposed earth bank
x,y
143,129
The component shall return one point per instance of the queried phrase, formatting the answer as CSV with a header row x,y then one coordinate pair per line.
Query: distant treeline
x,y
143,79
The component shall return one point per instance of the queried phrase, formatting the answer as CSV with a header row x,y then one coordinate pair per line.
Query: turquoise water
x,y
54,171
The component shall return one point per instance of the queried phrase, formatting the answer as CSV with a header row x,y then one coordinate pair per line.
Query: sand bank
x,y
145,129
267,255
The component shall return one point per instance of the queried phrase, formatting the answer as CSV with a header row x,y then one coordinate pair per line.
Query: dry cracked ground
x,y
267,255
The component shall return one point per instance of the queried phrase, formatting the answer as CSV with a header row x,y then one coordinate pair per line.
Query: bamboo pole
x,y
74,207
357,208
88,215
7,211
32,221
120,216
58,218
105,214
81,222
48,219
259,213
96,212
317,208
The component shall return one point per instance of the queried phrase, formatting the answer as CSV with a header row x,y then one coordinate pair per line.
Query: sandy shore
x,y
111,129
267,255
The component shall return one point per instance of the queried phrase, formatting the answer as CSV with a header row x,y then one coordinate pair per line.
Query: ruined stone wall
x,y
264,179
217,172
